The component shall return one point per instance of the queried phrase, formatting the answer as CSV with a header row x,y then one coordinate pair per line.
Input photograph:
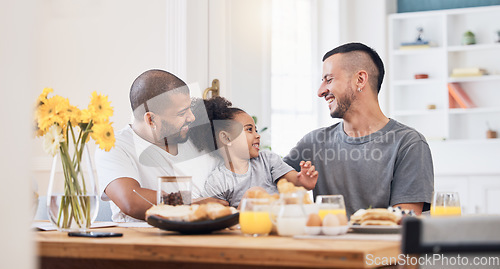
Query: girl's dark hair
x,y
219,116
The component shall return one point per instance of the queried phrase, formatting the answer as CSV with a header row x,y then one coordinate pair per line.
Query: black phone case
x,y
94,234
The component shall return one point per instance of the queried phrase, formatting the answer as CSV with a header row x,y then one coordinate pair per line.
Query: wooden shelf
x,y
409,82
421,112
474,79
418,51
475,110
473,47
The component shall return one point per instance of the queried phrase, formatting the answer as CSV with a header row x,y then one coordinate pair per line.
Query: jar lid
x,y
174,178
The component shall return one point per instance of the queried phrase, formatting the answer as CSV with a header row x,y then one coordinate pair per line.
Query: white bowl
x,y
335,230
312,230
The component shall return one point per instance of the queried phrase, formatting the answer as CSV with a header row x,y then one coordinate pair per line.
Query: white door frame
x,y
196,42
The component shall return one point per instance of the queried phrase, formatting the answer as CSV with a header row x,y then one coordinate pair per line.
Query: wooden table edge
x,y
267,256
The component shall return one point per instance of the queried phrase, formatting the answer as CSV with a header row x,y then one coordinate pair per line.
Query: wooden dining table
x,y
149,247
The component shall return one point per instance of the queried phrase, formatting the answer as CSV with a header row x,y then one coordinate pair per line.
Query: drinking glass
x,y
254,217
446,204
330,204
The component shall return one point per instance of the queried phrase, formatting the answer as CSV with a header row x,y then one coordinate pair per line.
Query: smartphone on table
x,y
94,234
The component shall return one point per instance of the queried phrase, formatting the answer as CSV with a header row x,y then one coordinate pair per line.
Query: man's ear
x,y
224,138
361,79
149,118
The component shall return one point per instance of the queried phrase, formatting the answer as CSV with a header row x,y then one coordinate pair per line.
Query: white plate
x,y
375,229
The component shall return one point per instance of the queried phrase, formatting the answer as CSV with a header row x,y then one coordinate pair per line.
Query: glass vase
x,y
72,195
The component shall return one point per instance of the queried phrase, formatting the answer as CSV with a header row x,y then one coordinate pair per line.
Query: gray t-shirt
x,y
263,171
388,167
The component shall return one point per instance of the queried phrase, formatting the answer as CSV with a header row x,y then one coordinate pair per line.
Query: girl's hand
x,y
308,176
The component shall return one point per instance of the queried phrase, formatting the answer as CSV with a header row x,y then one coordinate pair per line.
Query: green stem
x,y
75,205
71,191
70,127
69,194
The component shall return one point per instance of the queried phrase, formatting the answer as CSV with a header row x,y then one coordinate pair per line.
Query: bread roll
x,y
288,187
216,210
375,216
379,214
176,213
379,222
190,213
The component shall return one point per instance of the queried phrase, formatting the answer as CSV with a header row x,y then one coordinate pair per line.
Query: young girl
x,y
244,166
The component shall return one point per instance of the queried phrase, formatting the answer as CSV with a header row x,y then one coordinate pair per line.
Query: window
x,y
294,73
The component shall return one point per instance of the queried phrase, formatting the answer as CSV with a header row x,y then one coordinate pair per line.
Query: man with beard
x,y
155,144
373,161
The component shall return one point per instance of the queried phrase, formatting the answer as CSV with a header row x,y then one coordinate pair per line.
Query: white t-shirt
x,y
137,158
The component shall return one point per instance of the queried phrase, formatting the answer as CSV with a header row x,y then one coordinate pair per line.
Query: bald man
x,y
373,161
155,144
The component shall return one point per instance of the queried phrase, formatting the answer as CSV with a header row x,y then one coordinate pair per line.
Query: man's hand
x,y
416,207
121,192
308,176
209,200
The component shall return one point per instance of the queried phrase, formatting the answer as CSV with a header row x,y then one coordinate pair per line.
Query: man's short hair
x,y
354,47
149,91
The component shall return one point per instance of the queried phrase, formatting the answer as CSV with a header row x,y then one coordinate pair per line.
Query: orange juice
x,y
255,222
446,211
323,212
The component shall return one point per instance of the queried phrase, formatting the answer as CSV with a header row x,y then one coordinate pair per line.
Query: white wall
x,y
103,46
249,57
328,37
86,46
17,51
230,40
365,21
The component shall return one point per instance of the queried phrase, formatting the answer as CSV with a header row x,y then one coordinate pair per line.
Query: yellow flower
x,y
52,140
42,97
38,132
72,114
50,112
103,135
85,116
100,108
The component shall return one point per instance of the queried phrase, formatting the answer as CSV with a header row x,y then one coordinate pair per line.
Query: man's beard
x,y
343,105
175,138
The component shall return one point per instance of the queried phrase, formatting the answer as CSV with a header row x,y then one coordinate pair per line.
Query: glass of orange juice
x,y
254,217
330,204
446,204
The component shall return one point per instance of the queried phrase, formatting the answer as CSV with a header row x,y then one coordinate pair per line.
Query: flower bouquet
x,y
66,130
